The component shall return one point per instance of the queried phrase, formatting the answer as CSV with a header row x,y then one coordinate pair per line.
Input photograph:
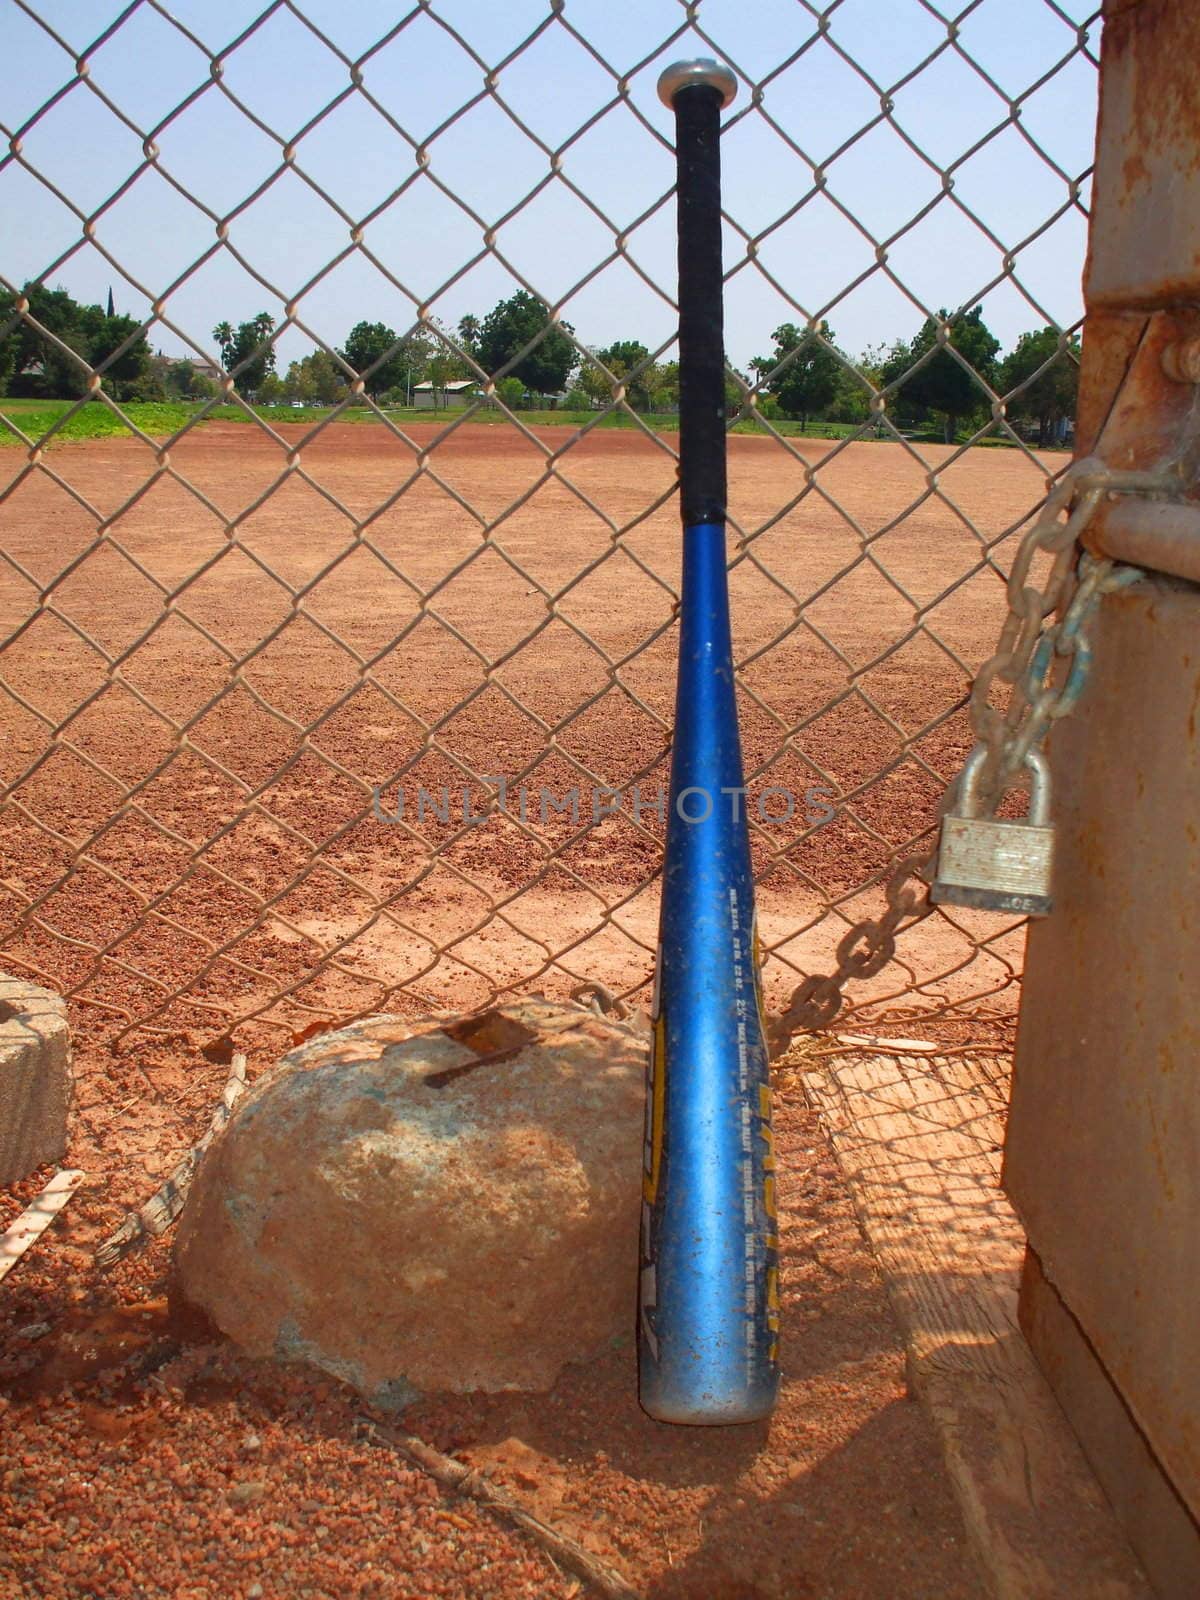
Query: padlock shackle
x,y
968,803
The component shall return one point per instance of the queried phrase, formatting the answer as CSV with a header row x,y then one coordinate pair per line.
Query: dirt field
x,y
205,711
192,728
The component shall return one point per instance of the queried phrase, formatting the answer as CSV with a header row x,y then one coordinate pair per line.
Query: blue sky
x,y
283,76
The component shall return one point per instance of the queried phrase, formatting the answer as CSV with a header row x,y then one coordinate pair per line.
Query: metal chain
x,y
1028,645
1026,657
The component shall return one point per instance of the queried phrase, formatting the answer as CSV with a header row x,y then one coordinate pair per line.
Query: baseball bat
x,y
708,1317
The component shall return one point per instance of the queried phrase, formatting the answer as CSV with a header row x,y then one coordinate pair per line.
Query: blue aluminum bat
x,y
708,1320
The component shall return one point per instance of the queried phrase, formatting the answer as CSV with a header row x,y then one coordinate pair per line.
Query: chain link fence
x,y
308,717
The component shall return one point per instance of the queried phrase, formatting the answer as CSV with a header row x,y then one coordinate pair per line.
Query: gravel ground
x,y
143,1457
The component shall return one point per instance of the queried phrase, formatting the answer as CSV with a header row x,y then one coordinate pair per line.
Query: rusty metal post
x,y
1103,1151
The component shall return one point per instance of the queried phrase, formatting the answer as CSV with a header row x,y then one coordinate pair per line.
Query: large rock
x,y
35,1077
455,1208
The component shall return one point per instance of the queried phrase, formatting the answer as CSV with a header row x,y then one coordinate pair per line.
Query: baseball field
x,y
240,640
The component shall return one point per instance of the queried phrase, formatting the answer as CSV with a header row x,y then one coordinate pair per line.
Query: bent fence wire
x,y
231,651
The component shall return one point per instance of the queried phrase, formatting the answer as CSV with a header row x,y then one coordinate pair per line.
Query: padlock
x,y
992,863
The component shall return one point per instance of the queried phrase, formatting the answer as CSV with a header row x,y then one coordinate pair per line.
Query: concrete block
x,y
35,1077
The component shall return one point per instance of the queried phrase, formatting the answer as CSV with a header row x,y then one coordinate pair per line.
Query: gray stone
x,y
413,1206
35,1078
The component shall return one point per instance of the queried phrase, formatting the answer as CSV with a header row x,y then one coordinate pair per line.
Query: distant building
x,y
200,365
461,391
204,368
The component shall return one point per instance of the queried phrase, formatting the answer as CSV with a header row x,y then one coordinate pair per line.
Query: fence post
x,y
1103,1151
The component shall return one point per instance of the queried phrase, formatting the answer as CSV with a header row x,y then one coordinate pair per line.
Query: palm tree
x,y
468,332
224,335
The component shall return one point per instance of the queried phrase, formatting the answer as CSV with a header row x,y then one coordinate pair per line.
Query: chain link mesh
x,y
221,656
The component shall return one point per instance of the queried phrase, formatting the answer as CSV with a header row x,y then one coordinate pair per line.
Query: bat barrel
x,y
708,1315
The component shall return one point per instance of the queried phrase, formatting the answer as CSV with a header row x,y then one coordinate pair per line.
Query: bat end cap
x,y
702,72
705,1412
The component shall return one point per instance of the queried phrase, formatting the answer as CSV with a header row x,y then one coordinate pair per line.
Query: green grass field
x,y
38,418
67,420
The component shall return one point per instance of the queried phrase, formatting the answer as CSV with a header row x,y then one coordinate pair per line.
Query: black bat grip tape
x,y
702,480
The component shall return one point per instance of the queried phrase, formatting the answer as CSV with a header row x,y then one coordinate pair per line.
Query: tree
x,y
373,350
444,367
246,352
625,353
523,320
385,360
803,371
39,366
468,333
591,381
178,378
665,389
621,358
108,335
943,384
736,384
317,379
856,379
1047,395
512,392
54,310
10,341
33,360
629,359
147,385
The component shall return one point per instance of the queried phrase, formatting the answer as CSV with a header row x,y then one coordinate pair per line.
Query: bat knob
x,y
703,72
